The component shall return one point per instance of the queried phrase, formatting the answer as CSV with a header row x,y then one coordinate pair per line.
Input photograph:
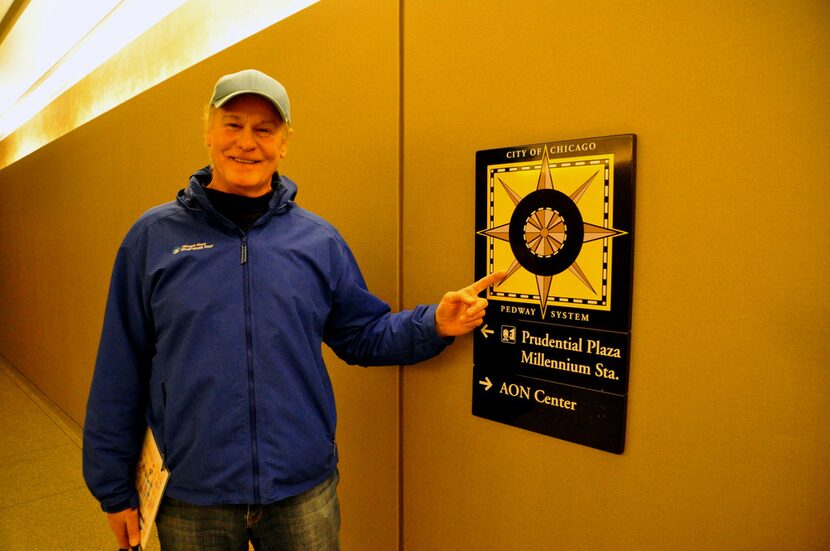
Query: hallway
x,y
44,503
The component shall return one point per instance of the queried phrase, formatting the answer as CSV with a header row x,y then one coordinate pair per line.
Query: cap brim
x,y
222,101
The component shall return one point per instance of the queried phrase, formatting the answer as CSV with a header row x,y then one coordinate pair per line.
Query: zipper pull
x,y
244,255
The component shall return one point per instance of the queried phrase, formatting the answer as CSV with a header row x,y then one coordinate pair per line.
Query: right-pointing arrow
x,y
486,383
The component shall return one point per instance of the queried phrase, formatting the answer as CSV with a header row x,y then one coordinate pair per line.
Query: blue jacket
x,y
212,336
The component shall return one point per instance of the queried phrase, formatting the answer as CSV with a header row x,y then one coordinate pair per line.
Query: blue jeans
x,y
306,522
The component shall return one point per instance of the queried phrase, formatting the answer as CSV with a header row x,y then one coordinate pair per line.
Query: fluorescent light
x,y
44,32
63,44
194,31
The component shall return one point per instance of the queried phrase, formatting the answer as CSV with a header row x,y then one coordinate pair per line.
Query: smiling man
x,y
218,307
247,138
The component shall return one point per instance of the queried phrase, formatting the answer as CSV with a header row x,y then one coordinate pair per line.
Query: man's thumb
x,y
132,527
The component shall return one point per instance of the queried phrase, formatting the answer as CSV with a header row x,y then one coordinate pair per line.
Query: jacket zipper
x,y
249,346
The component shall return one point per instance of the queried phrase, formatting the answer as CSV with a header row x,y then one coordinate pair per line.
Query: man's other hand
x,y
124,525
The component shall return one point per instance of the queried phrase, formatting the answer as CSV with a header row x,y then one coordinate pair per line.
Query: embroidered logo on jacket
x,y
192,247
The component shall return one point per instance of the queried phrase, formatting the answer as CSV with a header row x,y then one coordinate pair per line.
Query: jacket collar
x,y
194,197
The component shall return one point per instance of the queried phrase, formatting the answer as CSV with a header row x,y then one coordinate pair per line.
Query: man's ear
x,y
284,147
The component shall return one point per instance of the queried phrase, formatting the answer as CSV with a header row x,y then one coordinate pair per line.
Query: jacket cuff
x,y
429,328
117,507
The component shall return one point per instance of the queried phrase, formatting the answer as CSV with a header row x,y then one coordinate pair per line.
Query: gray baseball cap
x,y
251,81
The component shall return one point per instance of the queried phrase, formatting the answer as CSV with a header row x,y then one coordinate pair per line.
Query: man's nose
x,y
245,139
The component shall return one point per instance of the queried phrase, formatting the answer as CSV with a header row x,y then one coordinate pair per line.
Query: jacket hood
x,y
194,196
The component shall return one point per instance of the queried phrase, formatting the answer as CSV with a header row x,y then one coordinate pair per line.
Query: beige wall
x,y
726,442
65,208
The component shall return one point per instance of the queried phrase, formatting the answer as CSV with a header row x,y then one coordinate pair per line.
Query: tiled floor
x,y
44,504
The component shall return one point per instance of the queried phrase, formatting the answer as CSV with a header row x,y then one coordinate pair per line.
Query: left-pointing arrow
x,y
486,383
486,332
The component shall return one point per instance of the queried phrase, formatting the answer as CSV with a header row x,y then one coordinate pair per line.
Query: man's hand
x,y
125,526
460,312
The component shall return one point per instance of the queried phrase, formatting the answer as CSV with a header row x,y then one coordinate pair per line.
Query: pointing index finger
x,y
487,281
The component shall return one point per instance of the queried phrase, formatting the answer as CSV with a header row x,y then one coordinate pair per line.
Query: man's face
x,y
247,139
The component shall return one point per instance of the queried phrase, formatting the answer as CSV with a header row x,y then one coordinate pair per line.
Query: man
x,y
218,306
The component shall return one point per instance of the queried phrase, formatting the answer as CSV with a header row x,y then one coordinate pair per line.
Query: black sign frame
x,y
553,353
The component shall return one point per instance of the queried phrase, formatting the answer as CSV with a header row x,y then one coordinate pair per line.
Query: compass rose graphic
x,y
546,232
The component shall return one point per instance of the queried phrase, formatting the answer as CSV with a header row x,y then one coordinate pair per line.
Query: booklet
x,y
151,477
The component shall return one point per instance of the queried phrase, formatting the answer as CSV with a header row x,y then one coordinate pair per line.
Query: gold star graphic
x,y
546,232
